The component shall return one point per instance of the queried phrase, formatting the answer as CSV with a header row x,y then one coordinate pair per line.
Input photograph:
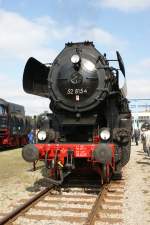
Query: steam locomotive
x,y
90,125
13,125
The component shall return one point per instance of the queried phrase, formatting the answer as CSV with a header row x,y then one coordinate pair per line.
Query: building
x,y
138,118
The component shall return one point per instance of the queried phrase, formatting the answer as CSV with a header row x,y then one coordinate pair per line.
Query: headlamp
x,y
41,135
105,134
75,59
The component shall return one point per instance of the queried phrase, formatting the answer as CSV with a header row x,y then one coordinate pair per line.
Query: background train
x,y
90,125
45,122
14,125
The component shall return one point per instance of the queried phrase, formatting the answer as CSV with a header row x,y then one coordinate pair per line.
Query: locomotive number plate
x,y
77,91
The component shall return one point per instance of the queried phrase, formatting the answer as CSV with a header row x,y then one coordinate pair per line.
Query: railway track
x,y
72,205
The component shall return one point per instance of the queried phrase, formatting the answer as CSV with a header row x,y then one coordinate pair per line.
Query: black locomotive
x,y
89,106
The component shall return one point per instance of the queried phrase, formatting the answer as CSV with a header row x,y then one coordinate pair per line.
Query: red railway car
x,y
13,125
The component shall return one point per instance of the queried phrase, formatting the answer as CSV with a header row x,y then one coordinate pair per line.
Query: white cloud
x,y
99,36
138,79
139,88
11,90
21,38
124,5
139,69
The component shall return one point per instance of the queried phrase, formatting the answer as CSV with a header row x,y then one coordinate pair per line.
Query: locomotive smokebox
x,y
102,153
77,78
30,153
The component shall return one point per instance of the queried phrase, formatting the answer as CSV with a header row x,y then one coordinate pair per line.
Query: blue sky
x,y
41,28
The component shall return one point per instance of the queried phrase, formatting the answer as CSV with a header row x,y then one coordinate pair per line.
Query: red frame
x,y
79,151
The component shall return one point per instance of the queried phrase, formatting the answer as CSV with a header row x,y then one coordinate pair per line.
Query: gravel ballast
x,y
137,190
18,181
